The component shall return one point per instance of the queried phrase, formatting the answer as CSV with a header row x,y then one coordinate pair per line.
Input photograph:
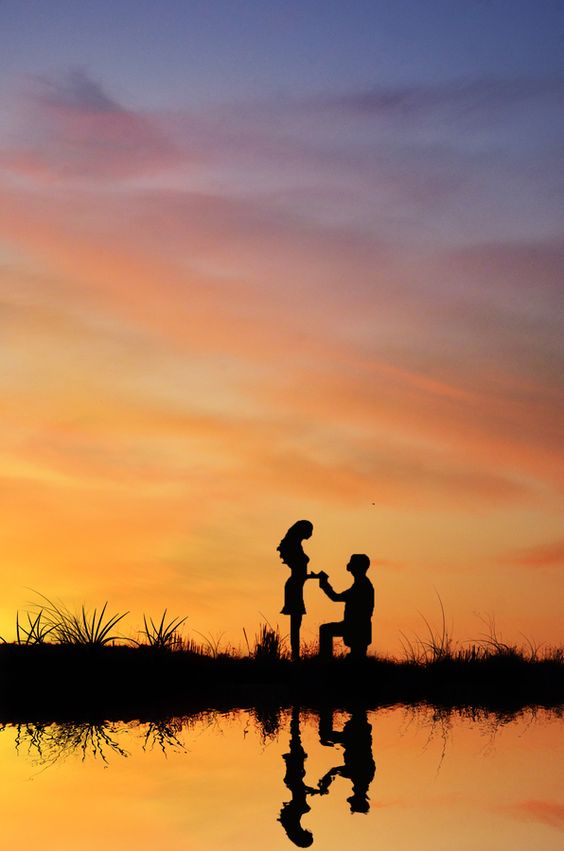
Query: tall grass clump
x,y
213,646
162,635
36,630
269,644
435,645
493,645
94,628
438,644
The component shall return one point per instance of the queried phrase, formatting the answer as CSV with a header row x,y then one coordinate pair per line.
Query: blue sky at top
x,y
175,52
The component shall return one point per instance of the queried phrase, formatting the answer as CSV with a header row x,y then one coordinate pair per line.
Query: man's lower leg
x,y
325,643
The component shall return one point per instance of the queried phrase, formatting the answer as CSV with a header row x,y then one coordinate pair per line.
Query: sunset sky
x,y
263,261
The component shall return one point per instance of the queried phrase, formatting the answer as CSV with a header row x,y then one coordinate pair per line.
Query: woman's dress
x,y
294,586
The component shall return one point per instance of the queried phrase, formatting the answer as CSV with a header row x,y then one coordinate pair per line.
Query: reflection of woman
x,y
292,811
292,554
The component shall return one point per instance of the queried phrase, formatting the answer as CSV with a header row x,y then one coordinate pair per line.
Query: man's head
x,y
289,817
358,564
359,802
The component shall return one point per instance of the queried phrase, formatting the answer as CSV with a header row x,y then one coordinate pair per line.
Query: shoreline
x,y
62,682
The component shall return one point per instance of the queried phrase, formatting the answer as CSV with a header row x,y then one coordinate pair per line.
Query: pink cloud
x,y
238,276
477,438
547,812
543,555
74,129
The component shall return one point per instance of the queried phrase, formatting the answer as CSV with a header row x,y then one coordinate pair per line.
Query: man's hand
x,y
323,577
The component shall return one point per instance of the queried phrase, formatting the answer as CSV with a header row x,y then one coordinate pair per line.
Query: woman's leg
x,y
295,624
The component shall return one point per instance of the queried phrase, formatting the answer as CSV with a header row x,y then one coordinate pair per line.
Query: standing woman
x,y
292,554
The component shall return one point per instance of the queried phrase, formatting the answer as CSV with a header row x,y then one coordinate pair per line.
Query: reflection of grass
x,y
268,719
50,743
46,744
164,733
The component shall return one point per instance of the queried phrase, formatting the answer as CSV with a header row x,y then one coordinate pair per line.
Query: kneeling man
x,y
356,628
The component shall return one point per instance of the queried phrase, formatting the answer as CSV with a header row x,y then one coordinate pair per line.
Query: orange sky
x,y
218,318
162,426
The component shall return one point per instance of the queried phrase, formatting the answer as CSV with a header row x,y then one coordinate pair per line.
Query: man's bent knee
x,y
334,629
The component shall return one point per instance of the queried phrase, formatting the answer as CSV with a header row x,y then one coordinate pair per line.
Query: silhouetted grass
x,y
65,664
269,645
36,631
56,623
162,635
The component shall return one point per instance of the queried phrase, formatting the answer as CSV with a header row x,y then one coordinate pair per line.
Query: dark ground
x,y
59,682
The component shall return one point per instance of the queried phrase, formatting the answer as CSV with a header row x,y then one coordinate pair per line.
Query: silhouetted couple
x,y
358,767
356,627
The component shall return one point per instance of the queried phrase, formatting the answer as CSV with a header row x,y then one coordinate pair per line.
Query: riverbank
x,y
53,681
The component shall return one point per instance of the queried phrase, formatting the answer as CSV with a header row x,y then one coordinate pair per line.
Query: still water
x,y
394,778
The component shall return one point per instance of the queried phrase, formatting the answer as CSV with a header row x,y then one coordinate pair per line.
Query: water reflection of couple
x,y
358,766
356,627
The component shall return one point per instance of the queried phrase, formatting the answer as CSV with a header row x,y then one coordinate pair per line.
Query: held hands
x,y
321,575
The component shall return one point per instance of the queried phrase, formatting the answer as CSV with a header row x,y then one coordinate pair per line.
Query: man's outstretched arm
x,y
329,591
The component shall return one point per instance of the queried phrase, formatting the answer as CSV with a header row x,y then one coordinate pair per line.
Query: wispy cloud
x,y
317,158
550,813
548,555
74,91
478,97
74,129
446,379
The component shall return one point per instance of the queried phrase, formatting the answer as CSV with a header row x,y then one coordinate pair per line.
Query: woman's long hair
x,y
291,544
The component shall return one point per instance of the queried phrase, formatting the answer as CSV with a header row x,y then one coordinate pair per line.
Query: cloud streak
x,y
411,390
478,97
307,151
549,555
550,813
75,130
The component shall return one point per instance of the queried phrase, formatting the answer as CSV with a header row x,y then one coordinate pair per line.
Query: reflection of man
x,y
358,762
292,811
356,627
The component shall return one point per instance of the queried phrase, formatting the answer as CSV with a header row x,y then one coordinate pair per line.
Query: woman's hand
x,y
321,575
